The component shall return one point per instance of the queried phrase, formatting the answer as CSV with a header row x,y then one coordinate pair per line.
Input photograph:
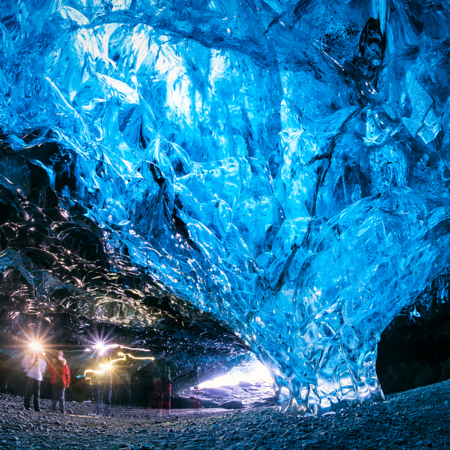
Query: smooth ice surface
x,y
281,165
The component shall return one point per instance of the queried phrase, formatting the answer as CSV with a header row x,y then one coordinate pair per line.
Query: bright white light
x,y
105,367
254,373
101,347
36,346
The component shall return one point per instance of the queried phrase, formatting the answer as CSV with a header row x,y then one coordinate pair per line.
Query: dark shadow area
x,y
414,349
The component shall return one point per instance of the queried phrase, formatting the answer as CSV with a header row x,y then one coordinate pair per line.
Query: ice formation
x,y
281,166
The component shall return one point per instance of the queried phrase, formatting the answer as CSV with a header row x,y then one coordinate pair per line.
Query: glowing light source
x,y
105,367
36,346
101,347
136,357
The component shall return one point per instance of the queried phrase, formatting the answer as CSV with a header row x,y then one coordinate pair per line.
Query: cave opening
x,y
245,386
414,350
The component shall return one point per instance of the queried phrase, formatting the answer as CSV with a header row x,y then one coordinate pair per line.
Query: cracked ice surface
x,y
282,165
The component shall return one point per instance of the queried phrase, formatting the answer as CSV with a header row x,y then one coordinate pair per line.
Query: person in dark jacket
x,y
60,381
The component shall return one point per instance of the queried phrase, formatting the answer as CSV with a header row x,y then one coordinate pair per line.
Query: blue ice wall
x,y
282,165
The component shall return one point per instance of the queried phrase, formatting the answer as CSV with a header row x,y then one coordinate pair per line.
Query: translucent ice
x,y
281,165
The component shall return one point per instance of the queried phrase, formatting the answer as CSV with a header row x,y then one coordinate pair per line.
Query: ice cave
x,y
233,185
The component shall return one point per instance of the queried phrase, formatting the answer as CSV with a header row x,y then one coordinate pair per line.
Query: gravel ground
x,y
417,419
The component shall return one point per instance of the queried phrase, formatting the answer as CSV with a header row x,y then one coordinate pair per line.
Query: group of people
x,y
34,365
118,383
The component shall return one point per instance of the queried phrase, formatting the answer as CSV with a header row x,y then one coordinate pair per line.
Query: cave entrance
x,y
245,386
414,349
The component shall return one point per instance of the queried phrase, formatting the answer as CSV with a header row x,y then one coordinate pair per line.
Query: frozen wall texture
x,y
280,165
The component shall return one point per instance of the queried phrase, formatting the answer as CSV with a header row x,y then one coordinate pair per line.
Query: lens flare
x,y
106,367
36,346
151,358
136,349
101,347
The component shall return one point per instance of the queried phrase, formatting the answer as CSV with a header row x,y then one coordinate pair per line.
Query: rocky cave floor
x,y
416,419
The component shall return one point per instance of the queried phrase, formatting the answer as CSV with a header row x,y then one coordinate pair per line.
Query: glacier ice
x,y
280,165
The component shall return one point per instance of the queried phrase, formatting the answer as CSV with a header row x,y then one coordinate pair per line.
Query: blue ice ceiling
x,y
281,165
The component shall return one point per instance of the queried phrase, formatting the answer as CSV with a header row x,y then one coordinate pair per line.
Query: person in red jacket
x,y
60,380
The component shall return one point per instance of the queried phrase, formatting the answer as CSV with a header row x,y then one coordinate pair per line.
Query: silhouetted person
x,y
60,381
162,383
102,388
125,389
121,385
146,384
34,365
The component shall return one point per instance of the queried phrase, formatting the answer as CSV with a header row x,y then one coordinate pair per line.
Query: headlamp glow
x,y
35,346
